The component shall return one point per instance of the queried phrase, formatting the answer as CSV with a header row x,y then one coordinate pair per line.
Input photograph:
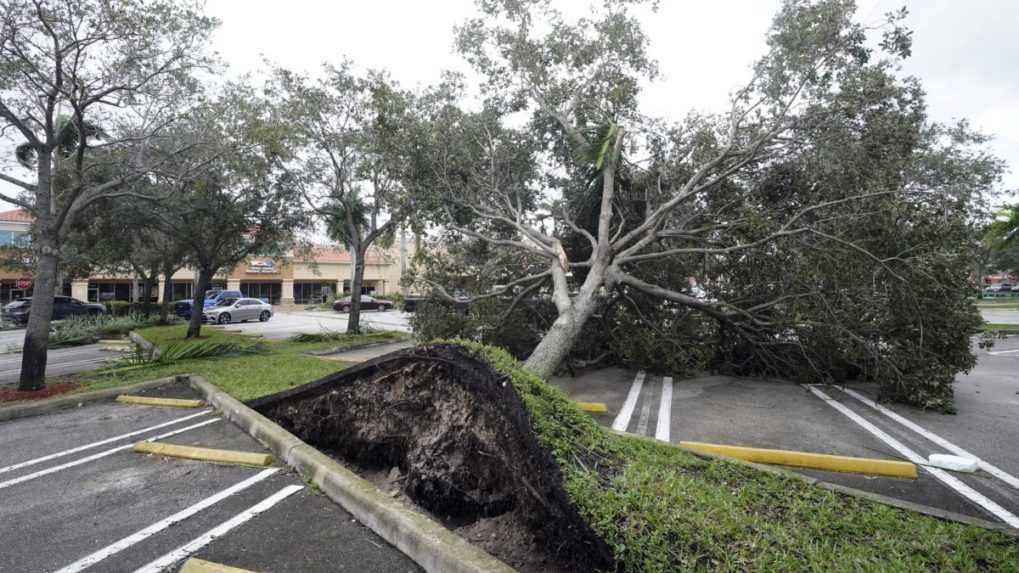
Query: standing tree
x,y
605,202
231,197
348,133
124,236
77,76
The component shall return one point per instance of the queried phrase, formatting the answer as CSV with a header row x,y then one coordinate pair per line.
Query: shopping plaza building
x,y
295,279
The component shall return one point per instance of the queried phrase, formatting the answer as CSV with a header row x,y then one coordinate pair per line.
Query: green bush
x,y
118,307
78,330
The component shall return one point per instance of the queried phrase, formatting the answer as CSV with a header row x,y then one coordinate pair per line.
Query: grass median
x,y
274,366
661,508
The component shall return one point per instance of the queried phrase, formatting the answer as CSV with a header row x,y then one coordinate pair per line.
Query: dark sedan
x,y
63,307
367,303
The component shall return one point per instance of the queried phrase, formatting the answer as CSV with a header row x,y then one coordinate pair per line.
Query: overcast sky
x,y
963,50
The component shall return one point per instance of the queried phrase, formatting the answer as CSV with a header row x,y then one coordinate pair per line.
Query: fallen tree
x,y
472,437
822,223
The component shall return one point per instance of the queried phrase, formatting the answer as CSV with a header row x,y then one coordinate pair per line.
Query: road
x,y
1004,316
70,503
783,415
60,361
285,324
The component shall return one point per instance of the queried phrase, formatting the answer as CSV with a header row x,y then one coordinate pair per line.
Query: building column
x,y
339,288
287,296
233,284
134,290
79,290
159,295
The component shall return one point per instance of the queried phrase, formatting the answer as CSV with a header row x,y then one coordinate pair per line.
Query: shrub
x,y
78,330
118,307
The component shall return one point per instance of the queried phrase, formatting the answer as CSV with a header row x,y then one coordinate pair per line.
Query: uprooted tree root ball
x,y
462,440
509,463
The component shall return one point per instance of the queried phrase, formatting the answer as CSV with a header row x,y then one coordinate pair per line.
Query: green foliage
x,y
668,339
663,509
118,307
78,330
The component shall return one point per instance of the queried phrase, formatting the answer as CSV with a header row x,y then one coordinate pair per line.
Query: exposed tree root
x,y
461,438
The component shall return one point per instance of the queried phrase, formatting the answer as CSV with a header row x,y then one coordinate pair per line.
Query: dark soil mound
x,y
456,437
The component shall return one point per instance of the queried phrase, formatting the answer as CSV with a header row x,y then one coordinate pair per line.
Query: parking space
x,y
782,415
77,498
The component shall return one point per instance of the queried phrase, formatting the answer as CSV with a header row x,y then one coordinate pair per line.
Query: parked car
x,y
63,307
182,308
367,303
229,309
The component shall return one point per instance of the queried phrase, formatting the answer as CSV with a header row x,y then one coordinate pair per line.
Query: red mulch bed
x,y
12,394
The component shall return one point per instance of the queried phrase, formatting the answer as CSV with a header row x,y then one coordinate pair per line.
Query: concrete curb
x,y
850,491
428,543
74,400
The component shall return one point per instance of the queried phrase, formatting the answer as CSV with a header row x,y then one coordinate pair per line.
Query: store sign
x,y
23,284
262,267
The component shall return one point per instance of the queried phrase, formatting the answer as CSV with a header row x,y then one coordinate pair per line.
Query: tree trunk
x,y
164,309
198,303
555,346
147,295
37,334
354,318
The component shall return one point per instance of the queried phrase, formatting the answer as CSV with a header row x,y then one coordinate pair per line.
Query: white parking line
x,y
99,455
645,414
984,465
664,411
622,420
155,528
75,450
951,481
218,531
1003,352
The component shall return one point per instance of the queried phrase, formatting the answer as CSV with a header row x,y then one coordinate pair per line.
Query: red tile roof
x,y
16,216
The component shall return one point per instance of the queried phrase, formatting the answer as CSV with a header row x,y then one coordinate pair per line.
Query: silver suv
x,y
230,310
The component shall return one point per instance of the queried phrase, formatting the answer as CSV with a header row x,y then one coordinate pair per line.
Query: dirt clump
x,y
442,429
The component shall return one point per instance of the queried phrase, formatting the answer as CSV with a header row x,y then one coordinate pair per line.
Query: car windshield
x,y
226,302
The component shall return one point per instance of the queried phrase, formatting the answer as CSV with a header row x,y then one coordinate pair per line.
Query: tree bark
x,y
555,346
354,318
198,303
147,295
164,309
37,334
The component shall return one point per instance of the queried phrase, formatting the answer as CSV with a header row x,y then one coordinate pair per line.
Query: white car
x,y
238,310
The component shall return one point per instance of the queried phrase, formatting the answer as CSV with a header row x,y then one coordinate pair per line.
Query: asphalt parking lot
x,y
1002,316
60,361
783,415
284,324
75,497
